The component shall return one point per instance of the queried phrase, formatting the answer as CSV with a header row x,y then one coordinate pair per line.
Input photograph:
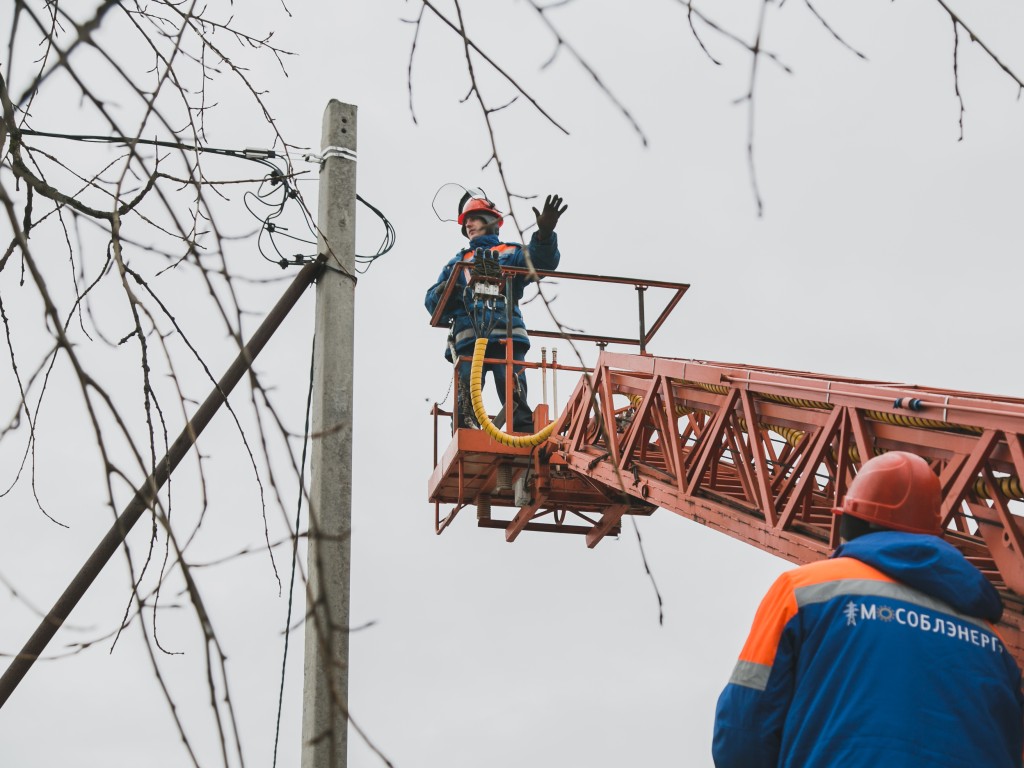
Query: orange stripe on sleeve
x,y
775,611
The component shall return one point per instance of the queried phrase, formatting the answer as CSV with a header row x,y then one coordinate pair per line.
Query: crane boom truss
x,y
760,454
765,454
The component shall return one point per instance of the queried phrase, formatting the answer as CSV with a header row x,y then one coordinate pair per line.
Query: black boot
x,y
522,413
467,419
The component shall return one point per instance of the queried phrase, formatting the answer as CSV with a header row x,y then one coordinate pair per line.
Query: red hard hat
x,y
479,206
896,490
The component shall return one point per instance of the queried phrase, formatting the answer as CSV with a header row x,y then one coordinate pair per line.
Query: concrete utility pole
x,y
325,687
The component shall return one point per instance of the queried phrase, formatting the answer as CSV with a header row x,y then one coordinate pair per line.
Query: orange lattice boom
x,y
760,454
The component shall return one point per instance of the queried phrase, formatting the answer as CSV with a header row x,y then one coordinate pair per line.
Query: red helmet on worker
x,y
480,207
897,491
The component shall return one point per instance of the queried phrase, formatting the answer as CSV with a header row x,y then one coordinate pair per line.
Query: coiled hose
x,y
476,378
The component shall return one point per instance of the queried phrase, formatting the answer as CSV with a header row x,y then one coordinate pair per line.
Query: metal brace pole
x,y
147,492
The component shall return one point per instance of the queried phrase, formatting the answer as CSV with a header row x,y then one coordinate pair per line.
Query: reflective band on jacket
x,y
470,335
821,593
751,675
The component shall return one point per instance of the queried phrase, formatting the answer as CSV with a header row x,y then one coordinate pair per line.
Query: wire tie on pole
x,y
343,152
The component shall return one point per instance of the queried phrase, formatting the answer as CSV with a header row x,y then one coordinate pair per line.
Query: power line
x,y
295,553
278,179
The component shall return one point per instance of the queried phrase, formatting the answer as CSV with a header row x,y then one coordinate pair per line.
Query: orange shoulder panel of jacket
x,y
779,604
833,570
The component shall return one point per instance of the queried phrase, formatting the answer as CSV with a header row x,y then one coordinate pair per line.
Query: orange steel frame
x,y
641,286
760,454
476,470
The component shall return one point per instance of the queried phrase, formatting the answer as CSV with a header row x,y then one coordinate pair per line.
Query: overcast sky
x,y
887,249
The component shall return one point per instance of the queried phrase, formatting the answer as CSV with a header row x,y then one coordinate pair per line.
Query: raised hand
x,y
547,219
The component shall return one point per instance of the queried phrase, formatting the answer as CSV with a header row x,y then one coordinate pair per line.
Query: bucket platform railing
x,y
476,469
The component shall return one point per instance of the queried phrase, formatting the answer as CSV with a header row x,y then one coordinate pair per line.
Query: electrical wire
x,y
295,550
386,244
276,190
263,156
487,309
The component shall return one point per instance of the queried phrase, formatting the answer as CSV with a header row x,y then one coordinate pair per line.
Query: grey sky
x,y
887,249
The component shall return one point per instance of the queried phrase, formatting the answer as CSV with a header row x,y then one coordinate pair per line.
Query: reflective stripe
x,y
461,336
825,591
751,675
469,333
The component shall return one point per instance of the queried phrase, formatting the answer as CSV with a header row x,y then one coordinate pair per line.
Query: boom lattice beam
x,y
763,455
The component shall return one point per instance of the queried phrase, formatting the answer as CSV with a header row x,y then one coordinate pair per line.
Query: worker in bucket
x,y
480,221
885,655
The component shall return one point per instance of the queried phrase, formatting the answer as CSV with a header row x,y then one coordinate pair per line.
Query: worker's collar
x,y
484,241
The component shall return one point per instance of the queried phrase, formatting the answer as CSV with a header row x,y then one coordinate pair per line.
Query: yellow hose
x,y
476,377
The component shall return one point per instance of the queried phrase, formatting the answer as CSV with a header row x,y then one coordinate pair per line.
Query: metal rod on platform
x,y
544,374
510,372
643,330
554,381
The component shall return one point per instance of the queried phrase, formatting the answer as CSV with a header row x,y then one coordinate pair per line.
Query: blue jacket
x,y
884,656
545,257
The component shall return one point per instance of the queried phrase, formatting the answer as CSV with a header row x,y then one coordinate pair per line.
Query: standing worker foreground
x,y
884,655
480,221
